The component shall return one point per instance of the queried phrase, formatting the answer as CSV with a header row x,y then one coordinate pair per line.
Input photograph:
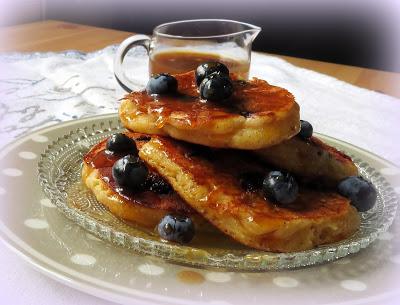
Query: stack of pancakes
x,y
200,153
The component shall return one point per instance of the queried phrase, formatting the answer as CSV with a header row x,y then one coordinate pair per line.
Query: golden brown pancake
x,y
145,208
311,159
257,115
210,183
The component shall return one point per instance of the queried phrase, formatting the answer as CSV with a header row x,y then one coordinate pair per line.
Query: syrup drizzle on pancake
x,y
256,96
99,158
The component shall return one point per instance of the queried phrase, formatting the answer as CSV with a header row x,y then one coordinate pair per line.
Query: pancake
x,y
311,159
144,208
210,183
257,115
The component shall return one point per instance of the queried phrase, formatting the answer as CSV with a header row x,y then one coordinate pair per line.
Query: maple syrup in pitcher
x,y
175,62
180,46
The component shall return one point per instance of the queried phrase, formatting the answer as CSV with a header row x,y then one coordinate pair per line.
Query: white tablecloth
x,y
46,88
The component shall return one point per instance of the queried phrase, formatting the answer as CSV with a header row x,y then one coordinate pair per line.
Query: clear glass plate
x,y
60,178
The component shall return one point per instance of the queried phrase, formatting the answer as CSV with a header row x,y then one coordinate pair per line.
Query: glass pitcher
x,y
181,46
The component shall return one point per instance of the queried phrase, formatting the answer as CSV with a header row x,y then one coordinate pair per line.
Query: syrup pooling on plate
x,y
192,111
64,154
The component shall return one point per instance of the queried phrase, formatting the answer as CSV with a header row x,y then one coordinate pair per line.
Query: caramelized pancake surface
x,y
210,183
257,115
311,159
145,208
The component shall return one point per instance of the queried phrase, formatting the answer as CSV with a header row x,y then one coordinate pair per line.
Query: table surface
x,y
52,35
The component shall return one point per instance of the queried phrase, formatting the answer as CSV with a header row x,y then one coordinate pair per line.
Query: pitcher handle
x,y
124,47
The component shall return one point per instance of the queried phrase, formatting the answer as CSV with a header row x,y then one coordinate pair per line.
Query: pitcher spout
x,y
249,32
254,31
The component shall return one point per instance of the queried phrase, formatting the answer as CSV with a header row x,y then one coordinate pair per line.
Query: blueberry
x,y
130,172
176,228
207,68
162,84
280,187
157,184
216,87
306,130
251,181
360,191
120,143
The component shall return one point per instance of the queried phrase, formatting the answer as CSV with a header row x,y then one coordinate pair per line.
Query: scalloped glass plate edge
x,y
373,223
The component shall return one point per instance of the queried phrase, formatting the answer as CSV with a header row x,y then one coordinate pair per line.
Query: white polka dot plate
x,y
32,225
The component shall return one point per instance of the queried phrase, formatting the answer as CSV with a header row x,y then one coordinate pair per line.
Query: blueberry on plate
x,y
251,181
306,130
121,143
162,84
130,173
280,187
208,68
216,87
176,228
360,191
